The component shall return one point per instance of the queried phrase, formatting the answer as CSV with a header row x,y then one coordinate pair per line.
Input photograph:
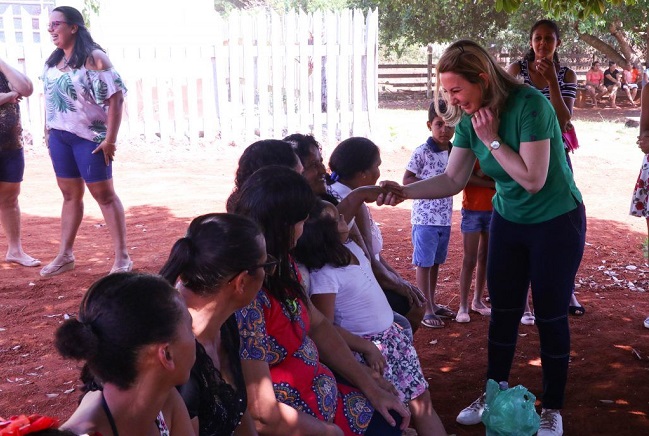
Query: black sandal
x,y
577,310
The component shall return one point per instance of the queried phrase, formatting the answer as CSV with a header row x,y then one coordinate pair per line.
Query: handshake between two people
x,y
386,192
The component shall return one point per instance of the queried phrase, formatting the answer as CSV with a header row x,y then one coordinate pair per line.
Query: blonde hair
x,y
469,60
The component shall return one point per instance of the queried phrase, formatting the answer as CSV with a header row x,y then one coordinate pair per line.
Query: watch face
x,y
495,145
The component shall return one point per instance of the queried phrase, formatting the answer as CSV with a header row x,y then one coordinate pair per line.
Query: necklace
x,y
66,62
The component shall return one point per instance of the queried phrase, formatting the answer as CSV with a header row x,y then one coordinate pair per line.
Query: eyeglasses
x,y
269,266
55,24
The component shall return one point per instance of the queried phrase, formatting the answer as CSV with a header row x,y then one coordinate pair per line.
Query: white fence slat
x,y
256,74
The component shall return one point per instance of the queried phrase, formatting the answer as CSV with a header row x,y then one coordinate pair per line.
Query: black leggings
x,y
547,256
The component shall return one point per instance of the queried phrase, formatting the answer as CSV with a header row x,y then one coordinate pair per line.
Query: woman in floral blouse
x,y
84,96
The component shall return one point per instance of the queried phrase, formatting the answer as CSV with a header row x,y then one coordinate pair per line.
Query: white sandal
x,y
528,318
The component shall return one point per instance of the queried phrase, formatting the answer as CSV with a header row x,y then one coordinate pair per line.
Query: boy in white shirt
x,y
431,219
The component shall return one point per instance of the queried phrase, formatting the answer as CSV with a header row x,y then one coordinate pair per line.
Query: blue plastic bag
x,y
509,412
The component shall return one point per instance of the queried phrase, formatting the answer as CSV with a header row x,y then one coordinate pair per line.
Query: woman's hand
x,y
485,123
547,69
413,294
393,193
383,402
643,144
374,358
108,148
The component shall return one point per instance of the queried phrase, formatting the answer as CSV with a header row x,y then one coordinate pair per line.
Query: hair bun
x,y
76,340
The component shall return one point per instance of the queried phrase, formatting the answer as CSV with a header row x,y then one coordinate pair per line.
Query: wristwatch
x,y
495,144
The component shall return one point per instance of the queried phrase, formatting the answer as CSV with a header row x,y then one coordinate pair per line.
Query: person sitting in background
x,y
595,82
342,283
629,84
13,87
134,333
612,82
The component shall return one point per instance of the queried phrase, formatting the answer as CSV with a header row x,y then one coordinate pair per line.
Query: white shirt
x,y
361,307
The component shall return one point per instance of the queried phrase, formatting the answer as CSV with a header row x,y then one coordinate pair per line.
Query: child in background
x,y
431,219
476,216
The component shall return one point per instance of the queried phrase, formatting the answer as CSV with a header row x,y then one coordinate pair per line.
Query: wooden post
x,y
429,82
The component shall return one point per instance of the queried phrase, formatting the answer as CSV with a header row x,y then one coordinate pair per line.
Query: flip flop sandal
x,y
432,322
445,312
577,310
485,311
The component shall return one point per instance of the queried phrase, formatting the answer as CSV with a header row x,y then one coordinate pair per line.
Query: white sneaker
x,y
473,414
646,323
528,318
551,423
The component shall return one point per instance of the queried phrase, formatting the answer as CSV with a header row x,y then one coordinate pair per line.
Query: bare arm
x,y
17,80
335,354
247,426
99,62
452,181
409,177
643,138
562,106
326,303
180,422
528,167
272,417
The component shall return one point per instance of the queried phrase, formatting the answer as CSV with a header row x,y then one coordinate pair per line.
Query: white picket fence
x,y
253,75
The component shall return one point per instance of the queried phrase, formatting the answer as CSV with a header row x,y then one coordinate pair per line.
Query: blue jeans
x,y
547,256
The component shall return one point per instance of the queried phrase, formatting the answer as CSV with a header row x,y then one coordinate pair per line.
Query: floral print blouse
x,y
76,100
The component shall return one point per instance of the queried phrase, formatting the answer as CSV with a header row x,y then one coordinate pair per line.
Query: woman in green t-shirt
x,y
538,227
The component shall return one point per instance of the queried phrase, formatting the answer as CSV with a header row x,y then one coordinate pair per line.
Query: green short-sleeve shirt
x,y
528,117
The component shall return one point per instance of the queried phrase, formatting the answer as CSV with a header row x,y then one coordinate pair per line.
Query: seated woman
x,y
355,163
342,284
261,154
134,334
218,267
283,337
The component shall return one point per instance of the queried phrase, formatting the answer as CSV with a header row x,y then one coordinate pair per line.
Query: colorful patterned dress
x,y
272,332
639,206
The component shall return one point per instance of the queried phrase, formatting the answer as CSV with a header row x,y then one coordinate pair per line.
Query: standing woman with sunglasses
x,y
83,111
218,267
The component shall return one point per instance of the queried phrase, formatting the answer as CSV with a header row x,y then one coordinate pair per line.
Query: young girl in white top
x,y
345,290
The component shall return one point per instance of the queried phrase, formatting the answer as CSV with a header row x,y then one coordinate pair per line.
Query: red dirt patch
x,y
163,188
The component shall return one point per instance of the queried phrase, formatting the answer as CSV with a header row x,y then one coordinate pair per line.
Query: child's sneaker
x,y
473,414
551,423
528,318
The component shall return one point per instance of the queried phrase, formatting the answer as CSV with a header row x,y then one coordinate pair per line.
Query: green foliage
x,y
90,7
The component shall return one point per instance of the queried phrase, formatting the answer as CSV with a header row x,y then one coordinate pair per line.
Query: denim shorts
x,y
430,244
12,165
475,221
72,158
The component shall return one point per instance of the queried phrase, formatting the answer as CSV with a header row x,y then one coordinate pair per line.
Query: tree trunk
x,y
620,36
602,47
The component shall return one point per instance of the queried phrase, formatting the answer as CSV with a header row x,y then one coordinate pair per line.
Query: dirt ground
x,y
163,187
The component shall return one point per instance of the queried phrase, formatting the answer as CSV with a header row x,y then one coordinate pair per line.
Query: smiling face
x,y
63,34
461,92
314,171
544,42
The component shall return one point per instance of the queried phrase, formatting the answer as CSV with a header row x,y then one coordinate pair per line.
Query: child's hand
x,y
374,358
